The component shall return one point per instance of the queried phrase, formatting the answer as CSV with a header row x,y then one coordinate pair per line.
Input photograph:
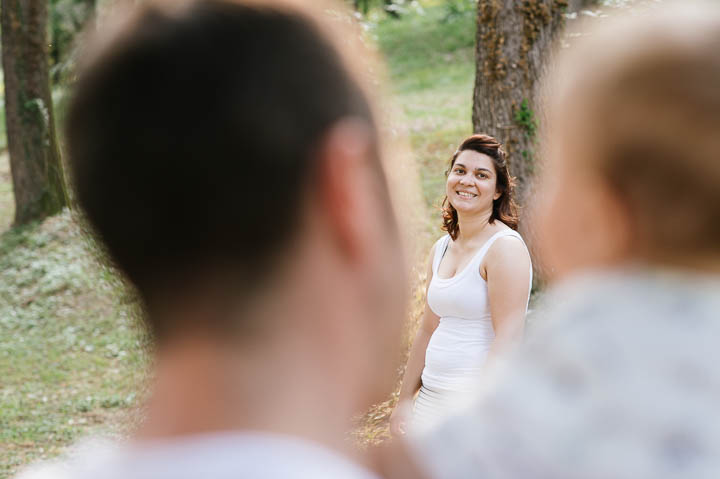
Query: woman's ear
x,y
498,194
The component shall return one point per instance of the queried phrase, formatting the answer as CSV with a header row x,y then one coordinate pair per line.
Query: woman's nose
x,y
465,181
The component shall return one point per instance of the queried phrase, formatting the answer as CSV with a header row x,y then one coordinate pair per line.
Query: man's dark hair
x,y
191,139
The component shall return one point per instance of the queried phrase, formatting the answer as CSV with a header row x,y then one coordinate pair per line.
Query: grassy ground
x,y
71,356
72,360
431,65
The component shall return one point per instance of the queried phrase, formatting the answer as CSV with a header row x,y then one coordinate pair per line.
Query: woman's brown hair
x,y
504,208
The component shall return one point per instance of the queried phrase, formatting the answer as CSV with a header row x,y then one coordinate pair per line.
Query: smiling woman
x,y
503,207
478,287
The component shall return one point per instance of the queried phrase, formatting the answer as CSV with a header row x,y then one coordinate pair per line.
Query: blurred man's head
x,y
229,161
633,171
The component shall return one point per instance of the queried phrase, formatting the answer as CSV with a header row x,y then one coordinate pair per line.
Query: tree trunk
x,y
34,155
513,40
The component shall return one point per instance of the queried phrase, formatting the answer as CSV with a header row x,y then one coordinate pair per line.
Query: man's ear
x,y
345,186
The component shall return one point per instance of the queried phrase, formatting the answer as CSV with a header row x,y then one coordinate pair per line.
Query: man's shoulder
x,y
80,460
43,471
214,456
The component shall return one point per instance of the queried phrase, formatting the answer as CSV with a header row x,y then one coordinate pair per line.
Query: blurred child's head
x,y
633,157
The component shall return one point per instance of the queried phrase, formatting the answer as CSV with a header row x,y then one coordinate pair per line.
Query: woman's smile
x,y
465,194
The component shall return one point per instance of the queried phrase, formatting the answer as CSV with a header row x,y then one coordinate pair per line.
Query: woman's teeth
x,y
465,195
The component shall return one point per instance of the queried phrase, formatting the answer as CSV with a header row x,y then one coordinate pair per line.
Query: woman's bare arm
x,y
507,267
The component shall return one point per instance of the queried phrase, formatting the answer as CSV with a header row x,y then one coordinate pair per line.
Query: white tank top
x,y
458,348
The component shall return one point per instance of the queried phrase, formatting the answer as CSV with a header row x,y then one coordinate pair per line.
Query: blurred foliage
x,y
452,9
394,8
458,9
525,118
364,6
67,18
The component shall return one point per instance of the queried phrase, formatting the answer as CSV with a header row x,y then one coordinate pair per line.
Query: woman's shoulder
x,y
441,241
507,246
505,235
500,227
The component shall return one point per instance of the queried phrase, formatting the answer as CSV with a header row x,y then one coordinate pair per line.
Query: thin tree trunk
x,y
34,155
513,40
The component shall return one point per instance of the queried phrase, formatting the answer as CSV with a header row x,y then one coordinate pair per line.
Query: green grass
x,y
71,356
72,359
430,60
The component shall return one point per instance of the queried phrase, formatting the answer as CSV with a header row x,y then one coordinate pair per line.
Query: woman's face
x,y
471,183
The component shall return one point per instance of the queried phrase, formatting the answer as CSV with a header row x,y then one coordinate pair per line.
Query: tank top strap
x,y
480,255
441,246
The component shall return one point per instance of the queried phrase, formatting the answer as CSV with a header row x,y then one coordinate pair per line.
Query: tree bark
x,y
34,155
514,38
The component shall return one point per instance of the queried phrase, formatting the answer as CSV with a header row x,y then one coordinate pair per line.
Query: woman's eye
x,y
459,171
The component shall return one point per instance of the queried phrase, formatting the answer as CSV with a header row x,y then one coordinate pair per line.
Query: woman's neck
x,y
472,226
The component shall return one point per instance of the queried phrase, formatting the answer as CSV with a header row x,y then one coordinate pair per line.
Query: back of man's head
x,y
193,139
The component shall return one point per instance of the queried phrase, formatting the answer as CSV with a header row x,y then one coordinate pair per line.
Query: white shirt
x,y
619,379
250,455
